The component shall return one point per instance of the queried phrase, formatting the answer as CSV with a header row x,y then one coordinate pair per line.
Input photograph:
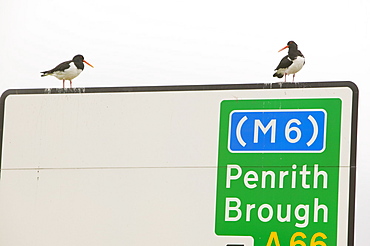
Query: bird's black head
x,y
292,44
79,61
78,58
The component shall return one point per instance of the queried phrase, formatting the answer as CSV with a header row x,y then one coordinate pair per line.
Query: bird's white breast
x,y
296,65
68,74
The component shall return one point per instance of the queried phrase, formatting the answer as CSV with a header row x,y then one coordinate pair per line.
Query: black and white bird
x,y
290,64
68,70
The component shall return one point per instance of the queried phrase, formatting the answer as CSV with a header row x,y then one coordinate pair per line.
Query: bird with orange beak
x,y
68,70
291,63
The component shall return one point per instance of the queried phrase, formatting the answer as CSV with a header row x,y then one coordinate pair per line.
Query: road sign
x,y
228,165
282,171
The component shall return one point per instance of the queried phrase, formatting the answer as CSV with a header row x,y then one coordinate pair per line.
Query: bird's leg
x,y
293,77
284,77
63,83
70,84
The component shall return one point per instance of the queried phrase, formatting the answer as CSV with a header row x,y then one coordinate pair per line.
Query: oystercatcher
x,y
68,70
291,63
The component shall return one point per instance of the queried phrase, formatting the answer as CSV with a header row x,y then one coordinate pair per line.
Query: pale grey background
x,y
136,43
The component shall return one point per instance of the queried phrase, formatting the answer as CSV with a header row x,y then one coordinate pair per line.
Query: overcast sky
x,y
167,42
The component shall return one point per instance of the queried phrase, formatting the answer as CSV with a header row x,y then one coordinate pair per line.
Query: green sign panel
x,y
278,170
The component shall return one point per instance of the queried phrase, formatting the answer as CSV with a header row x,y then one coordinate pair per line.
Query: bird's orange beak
x,y
88,63
284,48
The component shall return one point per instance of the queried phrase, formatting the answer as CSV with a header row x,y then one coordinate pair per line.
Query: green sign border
x,y
328,160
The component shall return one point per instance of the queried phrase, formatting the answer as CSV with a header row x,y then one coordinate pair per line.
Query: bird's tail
x,y
46,73
279,75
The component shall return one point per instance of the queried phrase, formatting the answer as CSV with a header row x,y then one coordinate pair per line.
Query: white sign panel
x,y
140,165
